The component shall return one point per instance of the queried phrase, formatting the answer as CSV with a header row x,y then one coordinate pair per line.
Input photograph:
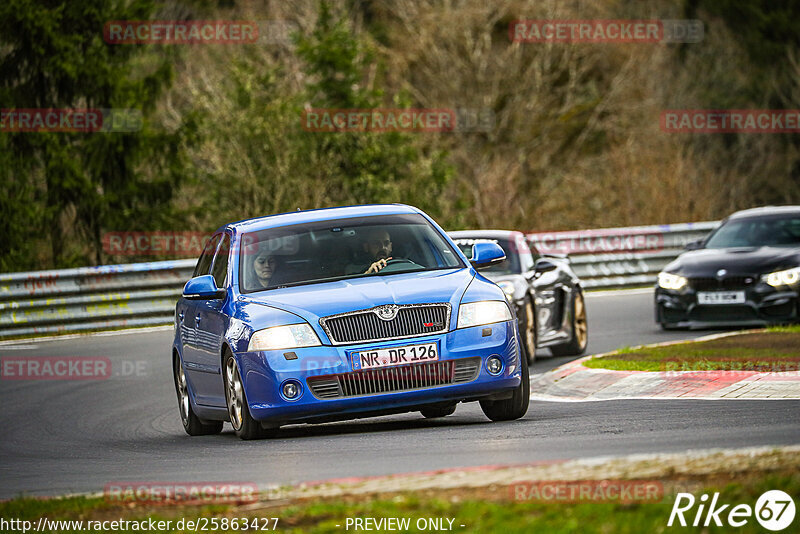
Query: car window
x,y
511,265
526,259
757,232
220,268
204,262
342,248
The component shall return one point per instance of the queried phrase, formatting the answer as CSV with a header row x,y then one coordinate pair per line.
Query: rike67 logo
x,y
774,510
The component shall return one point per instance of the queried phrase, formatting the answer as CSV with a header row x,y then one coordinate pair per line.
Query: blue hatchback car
x,y
342,313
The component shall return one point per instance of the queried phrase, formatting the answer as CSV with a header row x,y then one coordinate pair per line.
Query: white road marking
x,y
86,334
620,292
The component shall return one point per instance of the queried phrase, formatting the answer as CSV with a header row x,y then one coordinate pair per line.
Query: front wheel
x,y
527,331
192,424
517,405
580,330
243,423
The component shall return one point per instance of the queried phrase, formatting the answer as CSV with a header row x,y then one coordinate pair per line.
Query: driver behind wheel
x,y
377,248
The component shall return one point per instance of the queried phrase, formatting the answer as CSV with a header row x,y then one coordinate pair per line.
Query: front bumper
x,y
264,374
764,305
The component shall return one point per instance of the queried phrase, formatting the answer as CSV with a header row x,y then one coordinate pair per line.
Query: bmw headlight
x,y
508,289
671,281
788,277
483,312
291,336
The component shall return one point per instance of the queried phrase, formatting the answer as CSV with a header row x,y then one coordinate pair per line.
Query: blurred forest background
x,y
576,141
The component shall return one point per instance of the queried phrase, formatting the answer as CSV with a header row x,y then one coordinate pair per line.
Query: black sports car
x,y
546,294
746,272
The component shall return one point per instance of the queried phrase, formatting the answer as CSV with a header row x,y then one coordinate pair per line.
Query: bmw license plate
x,y
370,359
720,297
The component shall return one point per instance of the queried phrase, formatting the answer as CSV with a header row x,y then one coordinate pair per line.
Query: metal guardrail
x,y
140,294
91,298
621,257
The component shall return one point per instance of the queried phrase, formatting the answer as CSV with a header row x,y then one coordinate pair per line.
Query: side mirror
x,y
544,265
694,245
202,288
486,254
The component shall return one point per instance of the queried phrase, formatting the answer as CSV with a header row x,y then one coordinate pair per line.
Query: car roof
x,y
484,234
316,215
766,211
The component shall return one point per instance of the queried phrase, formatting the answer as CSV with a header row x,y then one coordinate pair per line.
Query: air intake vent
x,y
394,379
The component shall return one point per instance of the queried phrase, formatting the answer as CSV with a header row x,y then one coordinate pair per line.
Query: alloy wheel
x,y
183,393
233,393
581,326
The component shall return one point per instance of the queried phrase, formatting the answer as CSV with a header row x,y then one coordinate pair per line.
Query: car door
x,y
191,331
211,323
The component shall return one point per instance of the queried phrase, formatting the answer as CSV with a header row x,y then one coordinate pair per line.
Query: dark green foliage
x,y
66,189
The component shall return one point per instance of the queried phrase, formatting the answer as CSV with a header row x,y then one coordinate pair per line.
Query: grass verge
x,y
487,509
769,350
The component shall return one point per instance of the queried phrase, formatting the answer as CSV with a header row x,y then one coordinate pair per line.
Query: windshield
x,y
757,232
511,265
339,249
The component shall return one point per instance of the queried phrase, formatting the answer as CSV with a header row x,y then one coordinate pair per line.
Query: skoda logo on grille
x,y
388,312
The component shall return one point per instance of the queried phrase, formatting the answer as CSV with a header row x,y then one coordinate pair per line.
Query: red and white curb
x,y
574,382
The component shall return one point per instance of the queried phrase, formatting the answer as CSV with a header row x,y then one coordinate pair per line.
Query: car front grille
x,y
395,379
367,325
713,284
723,313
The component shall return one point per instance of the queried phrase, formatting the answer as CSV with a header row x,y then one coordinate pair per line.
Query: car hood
x,y
313,301
737,261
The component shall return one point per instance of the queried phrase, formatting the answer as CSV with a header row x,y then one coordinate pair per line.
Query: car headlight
x,y
671,281
508,289
484,312
284,337
788,277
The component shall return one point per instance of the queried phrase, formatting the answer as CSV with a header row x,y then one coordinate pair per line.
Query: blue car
x,y
342,313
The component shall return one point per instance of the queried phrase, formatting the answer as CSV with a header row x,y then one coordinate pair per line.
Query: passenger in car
x,y
264,265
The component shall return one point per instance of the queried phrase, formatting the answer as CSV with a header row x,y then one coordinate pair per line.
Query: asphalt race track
x,y
77,436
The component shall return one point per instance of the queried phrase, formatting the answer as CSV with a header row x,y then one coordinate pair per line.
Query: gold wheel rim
x,y
581,326
530,335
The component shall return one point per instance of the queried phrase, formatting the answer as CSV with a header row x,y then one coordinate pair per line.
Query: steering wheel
x,y
399,264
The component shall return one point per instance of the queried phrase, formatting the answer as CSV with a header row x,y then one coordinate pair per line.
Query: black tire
x,y
517,405
238,410
192,424
527,330
438,411
665,326
580,330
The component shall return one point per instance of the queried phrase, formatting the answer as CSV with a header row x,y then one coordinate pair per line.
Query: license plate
x,y
370,359
721,297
